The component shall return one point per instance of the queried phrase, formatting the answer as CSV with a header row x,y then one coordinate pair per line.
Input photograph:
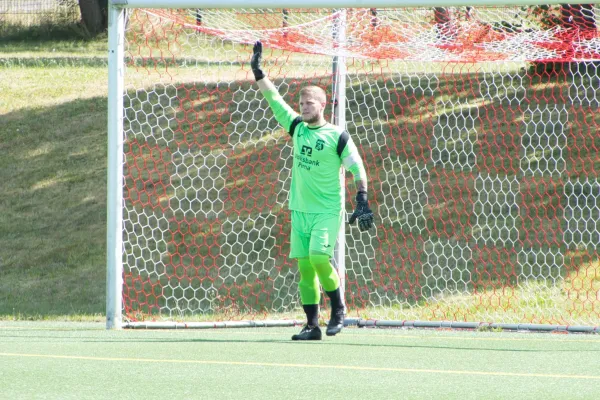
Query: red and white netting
x,y
480,132
465,34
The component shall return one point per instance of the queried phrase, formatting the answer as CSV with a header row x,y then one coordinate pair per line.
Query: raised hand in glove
x,y
255,61
362,212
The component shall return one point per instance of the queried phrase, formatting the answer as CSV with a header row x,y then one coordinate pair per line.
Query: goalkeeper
x,y
320,149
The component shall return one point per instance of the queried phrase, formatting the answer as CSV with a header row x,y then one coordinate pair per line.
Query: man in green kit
x,y
320,150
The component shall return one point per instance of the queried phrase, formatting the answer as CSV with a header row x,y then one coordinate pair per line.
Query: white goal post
x,y
478,125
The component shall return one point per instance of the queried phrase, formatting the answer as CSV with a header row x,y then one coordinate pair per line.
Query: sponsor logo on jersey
x,y
306,151
306,162
320,145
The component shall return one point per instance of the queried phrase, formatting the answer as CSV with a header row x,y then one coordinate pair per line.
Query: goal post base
x,y
479,326
370,323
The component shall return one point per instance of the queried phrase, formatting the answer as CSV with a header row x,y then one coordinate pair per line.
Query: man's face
x,y
311,109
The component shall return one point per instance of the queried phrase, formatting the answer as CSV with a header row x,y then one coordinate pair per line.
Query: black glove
x,y
255,61
362,212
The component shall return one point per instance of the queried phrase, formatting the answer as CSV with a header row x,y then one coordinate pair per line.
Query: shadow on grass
x,y
80,339
52,228
44,32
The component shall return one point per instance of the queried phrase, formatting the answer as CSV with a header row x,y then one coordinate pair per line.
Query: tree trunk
x,y
441,15
443,23
94,15
577,21
578,16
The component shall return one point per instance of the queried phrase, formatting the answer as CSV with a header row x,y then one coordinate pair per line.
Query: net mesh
x,y
464,34
478,128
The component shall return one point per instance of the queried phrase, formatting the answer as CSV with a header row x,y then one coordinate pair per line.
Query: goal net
x,y
480,132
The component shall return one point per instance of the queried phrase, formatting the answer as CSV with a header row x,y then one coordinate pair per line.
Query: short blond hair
x,y
315,92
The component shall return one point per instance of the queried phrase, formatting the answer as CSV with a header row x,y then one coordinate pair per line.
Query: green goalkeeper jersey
x,y
318,156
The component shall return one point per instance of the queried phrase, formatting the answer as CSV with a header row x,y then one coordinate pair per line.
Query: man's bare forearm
x,y
266,85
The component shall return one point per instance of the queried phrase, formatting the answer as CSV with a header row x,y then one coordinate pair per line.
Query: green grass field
x,y
53,341
53,144
51,360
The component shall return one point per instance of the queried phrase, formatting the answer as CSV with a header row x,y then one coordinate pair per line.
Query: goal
x,y
480,131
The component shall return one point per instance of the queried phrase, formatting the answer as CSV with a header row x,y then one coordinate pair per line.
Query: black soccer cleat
x,y
336,323
308,333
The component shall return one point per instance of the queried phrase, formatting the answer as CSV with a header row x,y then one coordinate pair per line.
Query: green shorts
x,y
313,233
